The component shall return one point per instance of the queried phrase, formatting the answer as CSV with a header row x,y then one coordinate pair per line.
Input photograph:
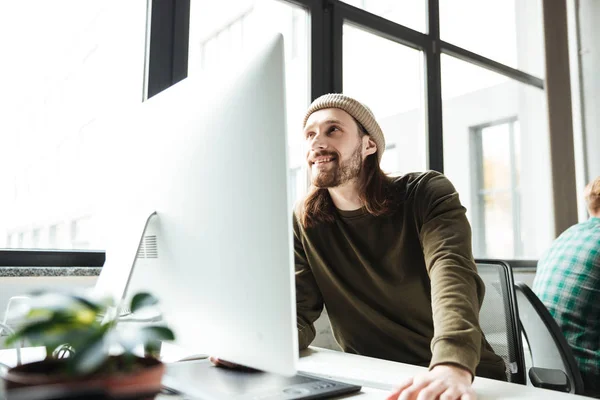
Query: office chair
x,y
547,344
500,324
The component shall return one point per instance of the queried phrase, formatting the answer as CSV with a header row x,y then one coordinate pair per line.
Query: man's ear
x,y
369,146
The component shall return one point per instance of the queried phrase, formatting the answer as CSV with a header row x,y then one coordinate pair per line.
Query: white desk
x,y
381,374
377,377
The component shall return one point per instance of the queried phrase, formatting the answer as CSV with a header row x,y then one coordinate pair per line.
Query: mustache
x,y
324,153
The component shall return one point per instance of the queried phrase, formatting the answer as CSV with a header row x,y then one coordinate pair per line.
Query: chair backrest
x,y
499,317
547,344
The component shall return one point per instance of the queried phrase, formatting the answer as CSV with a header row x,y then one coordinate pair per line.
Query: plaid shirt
x,y
568,283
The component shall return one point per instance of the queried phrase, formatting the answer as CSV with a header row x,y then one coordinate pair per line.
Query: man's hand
x,y
444,382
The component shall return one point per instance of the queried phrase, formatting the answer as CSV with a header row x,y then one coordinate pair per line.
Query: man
x,y
390,258
568,283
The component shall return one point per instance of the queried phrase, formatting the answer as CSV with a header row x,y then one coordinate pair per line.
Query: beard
x,y
340,172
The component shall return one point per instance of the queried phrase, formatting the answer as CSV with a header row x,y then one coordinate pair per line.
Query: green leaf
x,y
59,329
153,333
89,358
40,328
94,306
78,338
151,337
142,300
152,349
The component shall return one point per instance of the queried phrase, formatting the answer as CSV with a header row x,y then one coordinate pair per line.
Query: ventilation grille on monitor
x,y
148,248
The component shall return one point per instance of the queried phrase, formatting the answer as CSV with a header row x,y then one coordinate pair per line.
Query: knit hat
x,y
356,109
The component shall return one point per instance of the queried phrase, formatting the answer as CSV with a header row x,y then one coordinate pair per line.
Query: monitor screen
x,y
211,161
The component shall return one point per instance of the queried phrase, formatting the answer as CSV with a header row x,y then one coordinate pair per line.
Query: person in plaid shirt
x,y
568,283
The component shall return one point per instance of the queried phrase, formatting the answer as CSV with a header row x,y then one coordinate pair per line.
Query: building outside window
x,y
496,189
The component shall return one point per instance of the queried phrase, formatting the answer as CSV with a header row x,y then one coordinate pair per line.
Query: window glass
x,y
224,32
497,190
510,32
78,61
496,152
410,13
387,77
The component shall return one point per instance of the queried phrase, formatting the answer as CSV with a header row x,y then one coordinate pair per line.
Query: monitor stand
x,y
201,379
122,251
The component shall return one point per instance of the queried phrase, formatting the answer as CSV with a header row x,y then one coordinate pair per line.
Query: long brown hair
x,y
373,187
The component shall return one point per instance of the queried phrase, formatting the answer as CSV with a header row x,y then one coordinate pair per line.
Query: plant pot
x,y
143,382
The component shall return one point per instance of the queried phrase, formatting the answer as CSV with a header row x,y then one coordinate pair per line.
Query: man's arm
x,y
456,288
309,302
456,294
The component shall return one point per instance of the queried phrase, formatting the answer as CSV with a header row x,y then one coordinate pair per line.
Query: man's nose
x,y
318,142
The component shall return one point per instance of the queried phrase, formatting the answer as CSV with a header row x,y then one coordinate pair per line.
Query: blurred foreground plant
x,y
81,327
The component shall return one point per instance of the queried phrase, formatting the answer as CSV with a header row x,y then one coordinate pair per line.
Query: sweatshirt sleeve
x,y
456,289
309,301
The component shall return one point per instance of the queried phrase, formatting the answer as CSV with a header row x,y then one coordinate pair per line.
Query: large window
x,y
457,86
73,63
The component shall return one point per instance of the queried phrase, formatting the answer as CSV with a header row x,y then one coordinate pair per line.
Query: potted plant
x,y
86,351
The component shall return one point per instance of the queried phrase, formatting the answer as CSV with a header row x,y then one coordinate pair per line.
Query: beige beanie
x,y
359,111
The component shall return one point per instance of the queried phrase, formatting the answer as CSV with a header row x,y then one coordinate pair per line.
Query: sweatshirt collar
x,y
352,213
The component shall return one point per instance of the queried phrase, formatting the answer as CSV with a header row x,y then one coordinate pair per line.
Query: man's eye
x,y
309,135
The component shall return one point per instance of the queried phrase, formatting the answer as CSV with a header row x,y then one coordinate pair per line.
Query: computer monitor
x,y
219,248
203,223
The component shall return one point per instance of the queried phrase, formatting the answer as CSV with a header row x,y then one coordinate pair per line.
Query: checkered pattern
x,y
568,283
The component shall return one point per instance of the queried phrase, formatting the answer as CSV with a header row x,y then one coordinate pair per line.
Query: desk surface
x,y
377,377
381,374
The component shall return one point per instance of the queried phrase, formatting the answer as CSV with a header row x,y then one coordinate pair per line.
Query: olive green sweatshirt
x,y
402,287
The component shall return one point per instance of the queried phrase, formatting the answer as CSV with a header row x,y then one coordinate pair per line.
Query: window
x,y
391,158
409,13
81,233
496,155
79,61
53,236
509,32
387,77
36,239
497,203
222,33
298,33
445,84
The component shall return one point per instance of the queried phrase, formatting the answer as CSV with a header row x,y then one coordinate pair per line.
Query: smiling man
x,y
390,258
